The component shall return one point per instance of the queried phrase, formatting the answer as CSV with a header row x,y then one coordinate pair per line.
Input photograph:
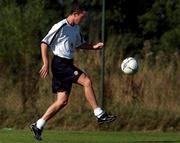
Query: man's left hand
x,y
98,45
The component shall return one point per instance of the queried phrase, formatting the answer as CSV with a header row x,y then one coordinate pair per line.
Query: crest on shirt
x,y
76,72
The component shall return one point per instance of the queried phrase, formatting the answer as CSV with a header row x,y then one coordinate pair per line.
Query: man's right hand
x,y
45,68
44,71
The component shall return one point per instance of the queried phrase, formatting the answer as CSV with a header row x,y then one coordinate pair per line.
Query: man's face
x,y
78,17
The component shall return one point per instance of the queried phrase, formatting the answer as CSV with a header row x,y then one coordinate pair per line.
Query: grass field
x,y
25,136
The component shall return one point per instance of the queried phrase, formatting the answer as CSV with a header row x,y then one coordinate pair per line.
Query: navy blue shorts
x,y
64,74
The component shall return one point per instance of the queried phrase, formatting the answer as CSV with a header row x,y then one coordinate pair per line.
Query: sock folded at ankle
x,y
40,123
98,112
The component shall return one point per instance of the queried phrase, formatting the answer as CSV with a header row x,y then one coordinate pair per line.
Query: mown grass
x,y
52,136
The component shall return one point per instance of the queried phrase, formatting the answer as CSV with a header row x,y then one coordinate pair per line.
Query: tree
x,y
162,24
19,36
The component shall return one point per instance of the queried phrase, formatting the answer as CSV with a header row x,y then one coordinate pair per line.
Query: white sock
x,y
40,123
98,112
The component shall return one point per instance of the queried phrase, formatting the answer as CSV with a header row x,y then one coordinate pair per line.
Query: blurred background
x,y
148,30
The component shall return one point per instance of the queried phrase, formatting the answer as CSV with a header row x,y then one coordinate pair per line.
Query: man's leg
x,y
85,81
102,116
62,100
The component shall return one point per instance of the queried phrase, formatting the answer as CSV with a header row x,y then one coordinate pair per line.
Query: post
x,y
102,56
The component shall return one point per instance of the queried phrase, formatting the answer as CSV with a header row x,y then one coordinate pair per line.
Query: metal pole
x,y
102,56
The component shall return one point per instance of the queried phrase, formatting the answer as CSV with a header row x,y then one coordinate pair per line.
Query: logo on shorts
x,y
76,73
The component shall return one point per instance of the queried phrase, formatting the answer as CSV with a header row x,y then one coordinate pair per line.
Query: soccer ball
x,y
129,65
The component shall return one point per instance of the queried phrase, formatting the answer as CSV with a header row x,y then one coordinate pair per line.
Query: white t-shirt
x,y
63,38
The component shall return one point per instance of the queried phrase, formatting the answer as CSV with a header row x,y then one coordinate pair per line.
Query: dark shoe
x,y
105,118
37,132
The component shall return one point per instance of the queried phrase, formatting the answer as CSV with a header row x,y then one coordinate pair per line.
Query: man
x,y
62,39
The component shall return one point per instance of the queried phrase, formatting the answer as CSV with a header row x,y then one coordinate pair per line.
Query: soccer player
x,y
63,38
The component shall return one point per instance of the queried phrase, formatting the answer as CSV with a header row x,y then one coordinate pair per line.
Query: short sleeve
x,y
48,39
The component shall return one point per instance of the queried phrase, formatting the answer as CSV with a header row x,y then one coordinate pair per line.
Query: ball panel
x,y
129,65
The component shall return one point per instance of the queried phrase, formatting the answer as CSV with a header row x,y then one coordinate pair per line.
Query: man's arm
x,y
45,67
91,46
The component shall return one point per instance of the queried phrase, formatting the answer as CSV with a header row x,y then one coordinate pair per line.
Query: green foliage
x,y
169,41
18,33
162,23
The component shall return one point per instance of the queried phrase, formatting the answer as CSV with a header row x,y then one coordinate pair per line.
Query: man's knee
x,y
84,80
87,82
61,103
62,99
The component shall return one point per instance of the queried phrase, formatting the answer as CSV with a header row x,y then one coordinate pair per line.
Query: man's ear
x,y
75,13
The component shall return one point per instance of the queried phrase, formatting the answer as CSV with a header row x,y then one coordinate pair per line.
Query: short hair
x,y
77,7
